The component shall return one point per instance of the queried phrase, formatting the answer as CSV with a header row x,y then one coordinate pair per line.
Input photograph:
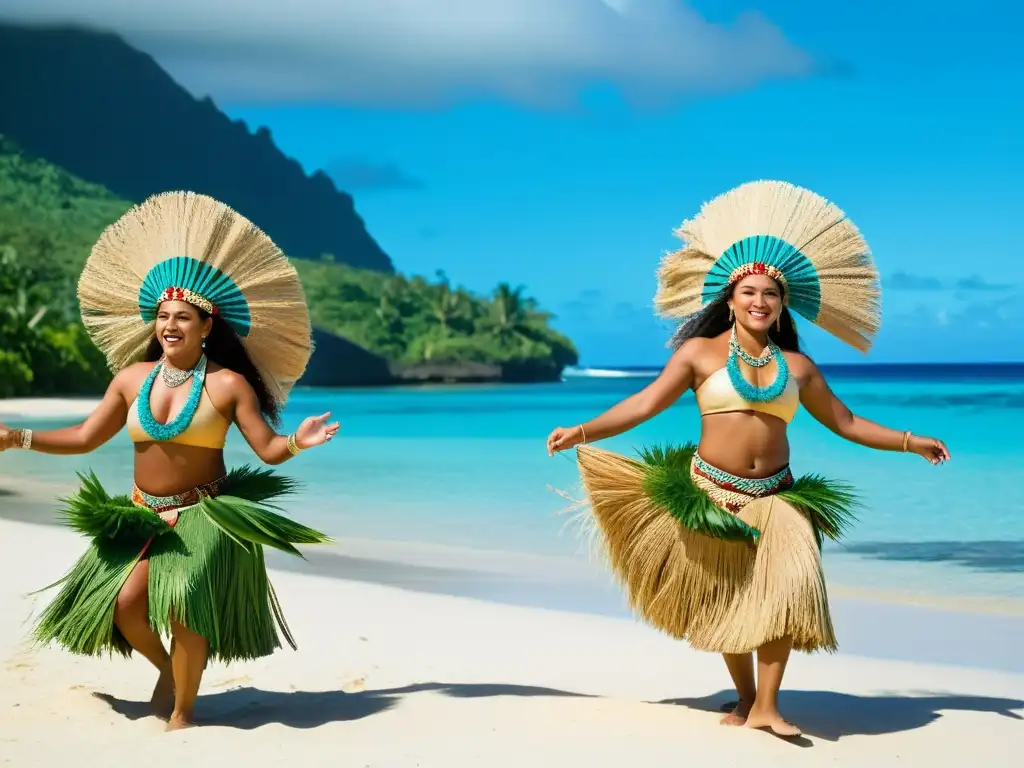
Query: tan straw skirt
x,y
724,562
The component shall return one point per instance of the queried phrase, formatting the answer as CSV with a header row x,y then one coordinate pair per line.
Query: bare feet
x,y
772,721
738,715
178,722
162,702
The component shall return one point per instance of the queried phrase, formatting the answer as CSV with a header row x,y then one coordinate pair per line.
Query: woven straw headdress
x,y
788,233
187,246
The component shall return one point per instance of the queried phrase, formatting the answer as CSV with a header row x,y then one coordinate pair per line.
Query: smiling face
x,y
756,302
180,329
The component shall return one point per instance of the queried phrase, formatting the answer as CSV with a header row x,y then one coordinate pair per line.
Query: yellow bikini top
x,y
718,395
209,429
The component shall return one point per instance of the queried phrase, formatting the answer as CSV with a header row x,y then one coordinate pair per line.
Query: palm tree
x,y
447,307
17,287
388,313
513,314
392,297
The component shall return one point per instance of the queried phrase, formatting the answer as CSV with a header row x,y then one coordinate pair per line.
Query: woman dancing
x,y
182,290
718,543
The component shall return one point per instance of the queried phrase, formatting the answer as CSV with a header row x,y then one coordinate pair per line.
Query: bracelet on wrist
x,y
906,440
22,439
293,446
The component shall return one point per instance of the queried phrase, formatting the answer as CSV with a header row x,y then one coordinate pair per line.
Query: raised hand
x,y
932,450
315,431
564,438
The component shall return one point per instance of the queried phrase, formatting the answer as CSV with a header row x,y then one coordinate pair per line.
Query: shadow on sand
x,y
247,708
830,716
823,714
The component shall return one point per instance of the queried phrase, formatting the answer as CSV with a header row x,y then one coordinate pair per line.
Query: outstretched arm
x,y
100,426
819,400
271,447
675,378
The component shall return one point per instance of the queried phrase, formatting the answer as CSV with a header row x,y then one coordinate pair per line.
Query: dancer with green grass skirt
x,y
719,543
205,324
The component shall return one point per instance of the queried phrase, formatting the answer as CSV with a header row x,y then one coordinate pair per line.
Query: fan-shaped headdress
x,y
788,233
190,247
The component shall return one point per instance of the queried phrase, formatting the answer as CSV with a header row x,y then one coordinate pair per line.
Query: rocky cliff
x,y
109,114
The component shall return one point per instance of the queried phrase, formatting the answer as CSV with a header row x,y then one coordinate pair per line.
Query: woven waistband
x,y
757,487
178,500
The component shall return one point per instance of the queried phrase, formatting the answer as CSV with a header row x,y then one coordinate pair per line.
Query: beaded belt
x,y
166,503
757,487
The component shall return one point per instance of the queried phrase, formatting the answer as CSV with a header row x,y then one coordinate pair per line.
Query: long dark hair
x,y
225,349
713,320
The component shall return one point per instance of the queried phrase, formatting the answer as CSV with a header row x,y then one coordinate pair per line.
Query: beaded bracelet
x,y
293,446
24,441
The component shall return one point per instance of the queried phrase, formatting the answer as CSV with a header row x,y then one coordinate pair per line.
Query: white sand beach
x,y
388,677
400,676
47,407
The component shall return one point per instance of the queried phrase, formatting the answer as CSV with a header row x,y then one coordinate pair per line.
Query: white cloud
x,y
424,52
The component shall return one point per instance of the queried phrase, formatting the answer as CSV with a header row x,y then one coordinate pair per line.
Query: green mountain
x,y
109,114
93,125
372,327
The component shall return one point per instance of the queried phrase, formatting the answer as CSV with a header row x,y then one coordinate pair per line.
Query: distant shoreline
x,y
1009,371
1015,365
69,406
46,407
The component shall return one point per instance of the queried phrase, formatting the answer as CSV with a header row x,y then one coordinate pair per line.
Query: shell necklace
x,y
174,377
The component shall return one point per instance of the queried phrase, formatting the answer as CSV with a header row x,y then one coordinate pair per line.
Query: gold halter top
x,y
208,429
718,395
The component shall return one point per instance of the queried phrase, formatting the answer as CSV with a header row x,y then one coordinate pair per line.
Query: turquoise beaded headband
x,y
775,258
183,279
177,293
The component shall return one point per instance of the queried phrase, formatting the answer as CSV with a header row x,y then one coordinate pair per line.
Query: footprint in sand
x,y
20,661
355,686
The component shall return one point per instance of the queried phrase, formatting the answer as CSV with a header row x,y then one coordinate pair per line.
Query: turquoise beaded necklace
x,y
746,390
169,431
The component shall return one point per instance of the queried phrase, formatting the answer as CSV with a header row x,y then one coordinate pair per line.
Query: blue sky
x,y
553,144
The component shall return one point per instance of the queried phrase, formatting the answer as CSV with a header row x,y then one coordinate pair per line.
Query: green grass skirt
x,y
207,571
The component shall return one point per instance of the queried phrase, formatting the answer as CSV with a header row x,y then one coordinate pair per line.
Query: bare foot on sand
x,y
179,723
773,722
162,702
738,715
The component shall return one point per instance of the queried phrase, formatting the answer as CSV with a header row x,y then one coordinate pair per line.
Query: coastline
x,y
943,613
476,375
389,676
47,407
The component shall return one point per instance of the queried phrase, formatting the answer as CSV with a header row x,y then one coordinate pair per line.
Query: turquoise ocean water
x,y
466,466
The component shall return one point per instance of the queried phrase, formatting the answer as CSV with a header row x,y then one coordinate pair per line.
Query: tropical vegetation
x,y
413,321
49,220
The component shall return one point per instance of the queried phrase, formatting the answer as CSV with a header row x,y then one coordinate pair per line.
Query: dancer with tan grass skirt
x,y
182,290
719,544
